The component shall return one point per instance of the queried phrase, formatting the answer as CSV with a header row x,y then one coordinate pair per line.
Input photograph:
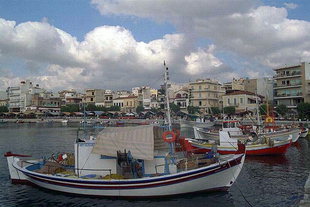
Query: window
x,y
228,101
241,100
92,93
235,101
199,95
199,87
200,103
91,99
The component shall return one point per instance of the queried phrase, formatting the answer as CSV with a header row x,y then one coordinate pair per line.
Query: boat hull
x,y
211,178
304,133
261,149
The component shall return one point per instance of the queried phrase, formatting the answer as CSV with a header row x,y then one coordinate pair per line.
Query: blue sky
x,y
78,17
121,44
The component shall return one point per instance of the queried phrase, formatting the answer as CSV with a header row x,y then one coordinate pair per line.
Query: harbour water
x,y
264,181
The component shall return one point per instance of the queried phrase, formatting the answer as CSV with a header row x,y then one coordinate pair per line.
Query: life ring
x,y
169,140
269,119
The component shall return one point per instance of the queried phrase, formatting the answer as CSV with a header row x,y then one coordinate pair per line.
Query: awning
x,y
138,140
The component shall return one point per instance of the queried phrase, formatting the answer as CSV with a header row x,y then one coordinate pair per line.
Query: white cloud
x,y
290,5
202,62
108,57
111,57
262,34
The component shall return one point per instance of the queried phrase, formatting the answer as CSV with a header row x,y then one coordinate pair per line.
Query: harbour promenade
x,y
92,119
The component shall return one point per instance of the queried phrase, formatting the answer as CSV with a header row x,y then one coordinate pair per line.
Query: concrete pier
x,y
306,201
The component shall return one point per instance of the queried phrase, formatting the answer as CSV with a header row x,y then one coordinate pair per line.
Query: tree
x,y
70,108
192,109
4,109
303,110
139,109
263,109
215,110
175,108
114,108
282,109
91,107
155,110
229,110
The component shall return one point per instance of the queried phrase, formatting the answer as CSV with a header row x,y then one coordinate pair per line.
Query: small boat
x,y
227,145
201,124
304,132
238,131
64,121
3,121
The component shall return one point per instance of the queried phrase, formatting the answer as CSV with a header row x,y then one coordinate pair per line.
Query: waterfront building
x,y
21,96
261,86
127,104
181,98
44,102
292,85
206,93
4,99
108,99
70,97
147,96
93,96
242,100
236,84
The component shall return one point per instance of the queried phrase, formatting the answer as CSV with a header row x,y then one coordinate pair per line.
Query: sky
x,y
120,44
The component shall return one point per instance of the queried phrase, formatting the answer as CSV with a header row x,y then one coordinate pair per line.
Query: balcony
x,y
207,90
287,75
276,86
287,96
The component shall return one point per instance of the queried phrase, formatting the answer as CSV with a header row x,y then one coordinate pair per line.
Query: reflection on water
x,y
269,160
264,180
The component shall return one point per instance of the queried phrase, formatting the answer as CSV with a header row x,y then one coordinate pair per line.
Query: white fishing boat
x,y
64,121
102,170
200,123
238,131
140,161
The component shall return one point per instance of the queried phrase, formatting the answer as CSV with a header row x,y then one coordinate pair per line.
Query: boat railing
x,y
156,166
55,166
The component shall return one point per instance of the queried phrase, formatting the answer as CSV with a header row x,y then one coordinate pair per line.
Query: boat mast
x,y
257,111
167,97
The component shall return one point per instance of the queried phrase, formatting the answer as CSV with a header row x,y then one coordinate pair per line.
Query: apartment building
x,y
127,104
292,85
93,96
206,93
4,99
70,97
21,96
261,86
181,98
